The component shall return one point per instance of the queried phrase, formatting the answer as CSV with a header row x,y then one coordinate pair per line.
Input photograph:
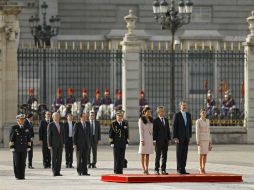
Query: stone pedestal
x,y
9,29
249,81
131,77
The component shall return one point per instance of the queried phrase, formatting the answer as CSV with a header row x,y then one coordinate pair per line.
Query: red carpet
x,y
194,177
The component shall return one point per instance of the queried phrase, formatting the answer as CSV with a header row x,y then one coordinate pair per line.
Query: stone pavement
x,y
237,159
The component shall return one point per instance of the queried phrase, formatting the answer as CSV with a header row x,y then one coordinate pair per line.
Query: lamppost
x,y
172,19
43,33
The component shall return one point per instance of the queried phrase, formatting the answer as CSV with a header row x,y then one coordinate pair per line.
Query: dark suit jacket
x,y
181,131
97,136
66,131
161,133
55,139
28,125
43,132
81,137
119,134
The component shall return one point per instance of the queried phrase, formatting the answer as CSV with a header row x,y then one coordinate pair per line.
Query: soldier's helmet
x,y
59,91
97,92
106,91
70,91
31,91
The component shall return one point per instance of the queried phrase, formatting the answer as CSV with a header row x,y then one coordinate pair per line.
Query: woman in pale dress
x,y
203,139
145,125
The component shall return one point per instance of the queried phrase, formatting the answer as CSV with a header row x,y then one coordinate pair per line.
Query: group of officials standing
x,y
84,135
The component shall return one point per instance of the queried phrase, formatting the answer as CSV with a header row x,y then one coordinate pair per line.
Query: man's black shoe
x,y
156,172
164,172
86,174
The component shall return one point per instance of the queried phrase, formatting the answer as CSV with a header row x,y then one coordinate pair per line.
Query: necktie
x,y
92,126
163,122
185,119
58,127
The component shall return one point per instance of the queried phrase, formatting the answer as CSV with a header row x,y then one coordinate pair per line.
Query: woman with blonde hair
x,y
145,124
203,139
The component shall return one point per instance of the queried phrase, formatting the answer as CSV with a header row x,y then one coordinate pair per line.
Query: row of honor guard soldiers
x,y
95,103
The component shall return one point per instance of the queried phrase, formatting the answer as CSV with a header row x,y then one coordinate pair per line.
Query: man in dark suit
x,y
81,138
68,127
28,125
55,143
94,140
182,127
19,144
43,139
119,140
161,138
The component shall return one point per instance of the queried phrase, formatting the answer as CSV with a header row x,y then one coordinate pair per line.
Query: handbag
x,y
210,147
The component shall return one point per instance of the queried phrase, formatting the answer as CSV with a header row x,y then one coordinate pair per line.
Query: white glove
x,y
112,145
28,149
12,150
127,145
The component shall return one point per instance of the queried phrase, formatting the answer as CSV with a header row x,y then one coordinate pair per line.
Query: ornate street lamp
x,y
43,33
172,19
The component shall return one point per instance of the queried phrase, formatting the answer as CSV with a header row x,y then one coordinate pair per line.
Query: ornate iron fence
x,y
45,70
196,72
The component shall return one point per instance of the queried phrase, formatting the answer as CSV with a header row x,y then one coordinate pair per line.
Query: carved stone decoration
x,y
131,22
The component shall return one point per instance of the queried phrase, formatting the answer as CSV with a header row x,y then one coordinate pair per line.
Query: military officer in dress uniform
x,y
106,100
28,125
59,99
96,101
119,140
142,101
31,98
19,144
43,139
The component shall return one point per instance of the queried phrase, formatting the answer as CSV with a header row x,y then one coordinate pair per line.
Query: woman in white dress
x,y
145,125
203,139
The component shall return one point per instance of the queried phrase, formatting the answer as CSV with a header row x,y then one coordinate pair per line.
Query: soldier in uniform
x,y
210,104
96,101
119,140
118,102
142,101
59,99
84,100
228,104
43,139
28,125
70,99
106,100
31,98
19,144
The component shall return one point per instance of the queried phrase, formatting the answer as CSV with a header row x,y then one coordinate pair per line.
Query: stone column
x,y
249,80
9,30
131,76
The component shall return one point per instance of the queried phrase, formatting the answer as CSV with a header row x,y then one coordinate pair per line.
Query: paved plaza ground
x,y
237,159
